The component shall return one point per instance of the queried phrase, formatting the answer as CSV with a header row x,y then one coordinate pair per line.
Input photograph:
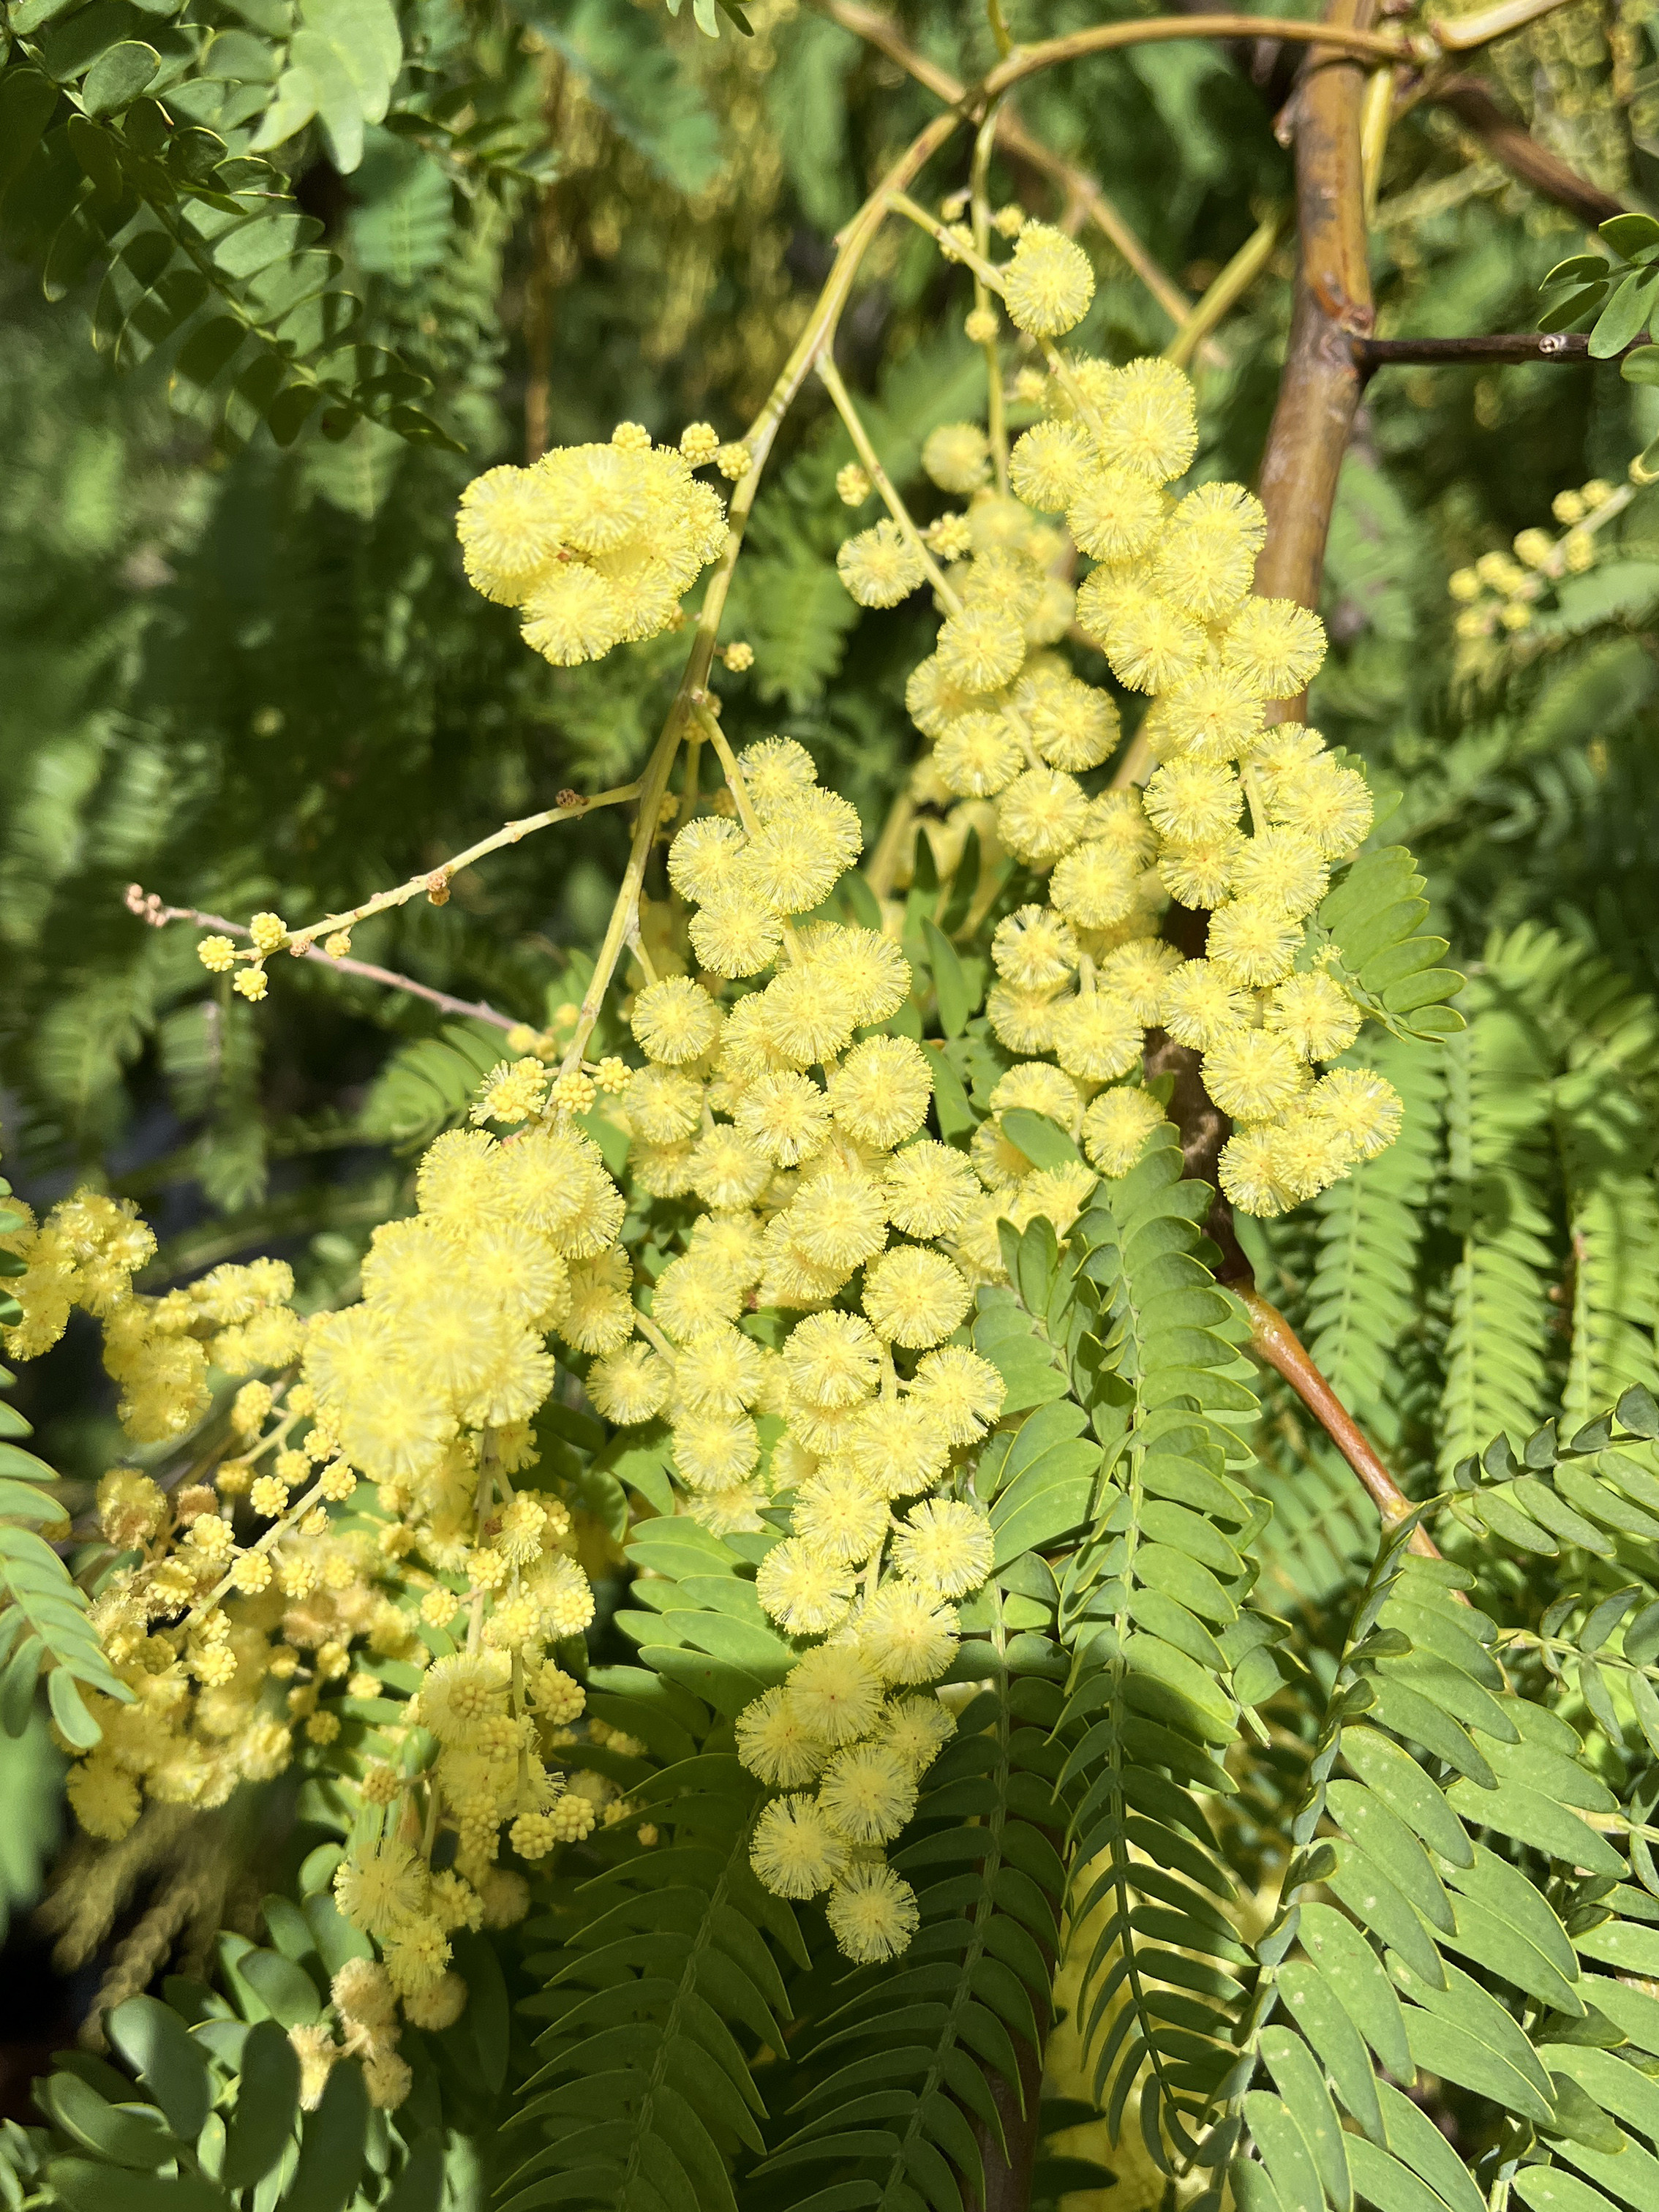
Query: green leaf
x,y
1531,1818
86,2187
1042,1141
333,2143
155,2043
27,101
1354,1972
267,2102
118,77
955,1000
130,2135
69,1711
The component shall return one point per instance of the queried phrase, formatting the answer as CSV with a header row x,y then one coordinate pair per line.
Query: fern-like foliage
x,y
1486,1870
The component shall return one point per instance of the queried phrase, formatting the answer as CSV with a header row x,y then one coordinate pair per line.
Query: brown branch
x,y
1320,390
1502,347
1080,189
149,908
1274,1338
1510,144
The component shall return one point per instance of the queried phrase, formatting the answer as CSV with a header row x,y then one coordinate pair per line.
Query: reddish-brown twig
x,y
1274,1338
150,908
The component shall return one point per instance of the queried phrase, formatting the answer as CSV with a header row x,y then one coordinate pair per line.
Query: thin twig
x,y
1230,286
435,882
1499,348
1278,1343
149,908
1333,37
829,376
814,342
1080,189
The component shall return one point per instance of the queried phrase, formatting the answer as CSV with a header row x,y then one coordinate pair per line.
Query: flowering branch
x,y
435,882
149,908
812,346
1082,192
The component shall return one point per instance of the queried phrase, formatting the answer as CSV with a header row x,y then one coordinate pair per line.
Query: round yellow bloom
x,y
736,936
1253,1075
961,1391
777,771
701,857
1098,1036
945,1546
675,1020
930,1189
981,649
880,1091
217,954
711,1451
1201,1005
1041,814
1251,942
1275,645
914,1297
1364,1106
1116,1126
774,1743
1048,284
1282,868
572,614
868,1793
1113,513
839,1514
978,754
1022,1020
382,1890
785,1116
508,526
881,566
872,1914
1309,1153
795,1852
1034,948
1249,1175
662,1104
1315,1013
1148,420
832,1359
1072,725
803,1588
1048,464
837,1694
1093,885
956,456
906,1633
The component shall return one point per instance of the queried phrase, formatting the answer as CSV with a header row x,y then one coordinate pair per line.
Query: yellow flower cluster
x,y
593,544
1082,974
236,1606
1501,591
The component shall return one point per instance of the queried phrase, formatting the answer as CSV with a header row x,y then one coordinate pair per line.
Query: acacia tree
x,y
780,1617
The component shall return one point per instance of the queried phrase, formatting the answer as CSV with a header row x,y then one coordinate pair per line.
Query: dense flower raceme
x,y
1084,973
375,1529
